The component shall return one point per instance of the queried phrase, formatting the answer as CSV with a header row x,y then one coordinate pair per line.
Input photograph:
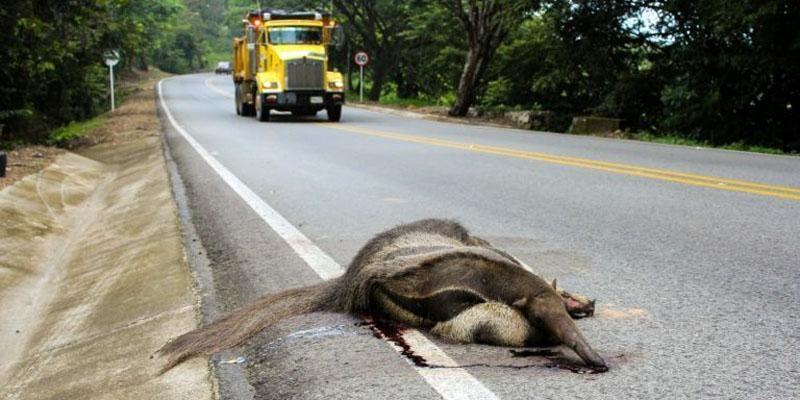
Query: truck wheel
x,y
242,108
262,112
238,103
248,110
334,113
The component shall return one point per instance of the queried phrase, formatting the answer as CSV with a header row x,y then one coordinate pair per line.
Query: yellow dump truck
x,y
281,63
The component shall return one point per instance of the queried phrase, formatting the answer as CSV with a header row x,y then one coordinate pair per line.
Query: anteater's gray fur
x,y
429,274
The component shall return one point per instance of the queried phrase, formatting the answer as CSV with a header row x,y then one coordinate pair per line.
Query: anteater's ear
x,y
554,284
520,303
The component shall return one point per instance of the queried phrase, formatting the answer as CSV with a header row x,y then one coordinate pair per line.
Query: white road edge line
x,y
452,383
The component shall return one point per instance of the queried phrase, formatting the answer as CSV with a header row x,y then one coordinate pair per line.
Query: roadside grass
x,y
741,146
392,100
75,130
132,85
682,141
407,103
74,134
125,89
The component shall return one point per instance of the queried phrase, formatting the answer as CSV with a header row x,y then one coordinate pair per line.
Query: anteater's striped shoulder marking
x,y
438,306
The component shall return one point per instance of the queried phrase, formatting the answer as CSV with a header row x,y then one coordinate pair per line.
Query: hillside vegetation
x,y
710,71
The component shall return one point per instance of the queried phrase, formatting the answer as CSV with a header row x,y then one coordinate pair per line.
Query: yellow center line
x,y
783,192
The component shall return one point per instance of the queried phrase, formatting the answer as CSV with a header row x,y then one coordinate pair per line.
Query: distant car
x,y
223,67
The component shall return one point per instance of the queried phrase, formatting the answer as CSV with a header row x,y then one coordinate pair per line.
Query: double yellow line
x,y
782,192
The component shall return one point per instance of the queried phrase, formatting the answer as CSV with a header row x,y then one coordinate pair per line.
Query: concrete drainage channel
x,y
90,286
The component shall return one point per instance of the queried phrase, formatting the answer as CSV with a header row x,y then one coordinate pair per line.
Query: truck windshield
x,y
295,35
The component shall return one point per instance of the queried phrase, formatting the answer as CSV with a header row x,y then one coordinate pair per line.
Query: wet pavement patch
x,y
316,333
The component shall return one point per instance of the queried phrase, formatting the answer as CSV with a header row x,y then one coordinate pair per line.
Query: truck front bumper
x,y
302,100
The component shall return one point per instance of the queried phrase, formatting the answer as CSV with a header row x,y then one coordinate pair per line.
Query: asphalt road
x,y
697,279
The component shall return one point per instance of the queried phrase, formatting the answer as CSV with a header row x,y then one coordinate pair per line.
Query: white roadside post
x,y
112,58
362,59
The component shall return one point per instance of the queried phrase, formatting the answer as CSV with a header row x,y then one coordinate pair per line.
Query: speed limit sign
x,y
361,58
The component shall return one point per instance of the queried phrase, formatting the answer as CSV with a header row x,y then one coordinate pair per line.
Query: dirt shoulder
x,y
93,274
26,160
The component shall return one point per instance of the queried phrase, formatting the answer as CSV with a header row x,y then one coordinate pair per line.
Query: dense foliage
x,y
708,70
51,66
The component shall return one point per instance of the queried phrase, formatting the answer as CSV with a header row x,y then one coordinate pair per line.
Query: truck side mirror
x,y
334,35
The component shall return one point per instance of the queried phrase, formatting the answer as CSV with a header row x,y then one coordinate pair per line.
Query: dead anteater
x,y
428,274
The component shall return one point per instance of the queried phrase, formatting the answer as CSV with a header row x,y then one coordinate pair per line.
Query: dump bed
x,y
241,64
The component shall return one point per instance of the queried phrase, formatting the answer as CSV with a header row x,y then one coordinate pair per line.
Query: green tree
x,y
735,71
486,23
51,57
593,59
431,64
379,27
53,70
138,26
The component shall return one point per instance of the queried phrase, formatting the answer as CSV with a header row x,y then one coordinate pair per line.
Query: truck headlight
x,y
270,85
336,85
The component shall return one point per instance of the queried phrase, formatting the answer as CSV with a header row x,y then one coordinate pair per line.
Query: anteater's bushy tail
x,y
247,321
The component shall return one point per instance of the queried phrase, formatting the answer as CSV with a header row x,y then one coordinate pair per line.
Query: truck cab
x,y
281,64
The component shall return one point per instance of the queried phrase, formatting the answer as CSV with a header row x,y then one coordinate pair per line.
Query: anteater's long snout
x,y
589,356
565,329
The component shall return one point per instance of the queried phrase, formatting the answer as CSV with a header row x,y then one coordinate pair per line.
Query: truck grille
x,y
304,74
